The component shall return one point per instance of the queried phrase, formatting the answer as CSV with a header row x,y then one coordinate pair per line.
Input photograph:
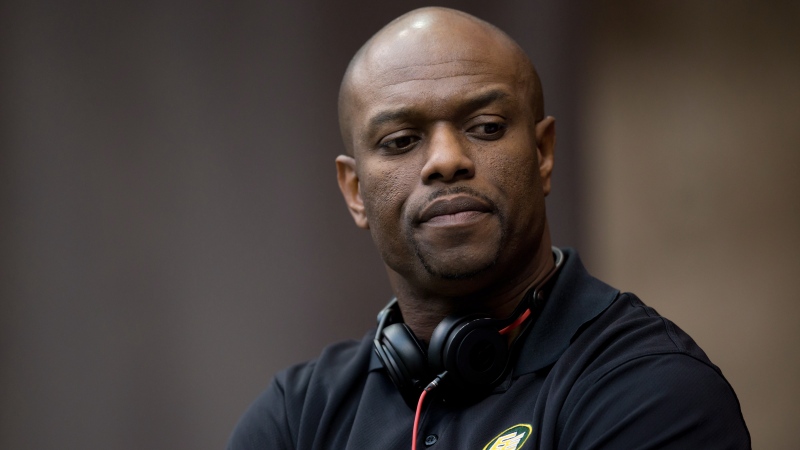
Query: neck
x,y
423,310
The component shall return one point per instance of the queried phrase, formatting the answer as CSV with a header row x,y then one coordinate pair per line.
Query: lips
x,y
446,206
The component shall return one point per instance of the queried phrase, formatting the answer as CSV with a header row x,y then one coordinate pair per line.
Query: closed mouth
x,y
453,206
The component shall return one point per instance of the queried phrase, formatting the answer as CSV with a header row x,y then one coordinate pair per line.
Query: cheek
x,y
384,191
515,173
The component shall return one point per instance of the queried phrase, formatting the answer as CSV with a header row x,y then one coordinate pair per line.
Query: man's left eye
x,y
488,131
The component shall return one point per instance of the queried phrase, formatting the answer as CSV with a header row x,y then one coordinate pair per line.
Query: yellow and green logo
x,y
510,439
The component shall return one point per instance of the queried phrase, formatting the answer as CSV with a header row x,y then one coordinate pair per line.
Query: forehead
x,y
447,79
420,51
434,67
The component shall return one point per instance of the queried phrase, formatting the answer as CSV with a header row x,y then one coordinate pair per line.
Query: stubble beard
x,y
455,273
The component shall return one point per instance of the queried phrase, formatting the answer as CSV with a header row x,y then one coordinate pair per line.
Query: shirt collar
x,y
575,298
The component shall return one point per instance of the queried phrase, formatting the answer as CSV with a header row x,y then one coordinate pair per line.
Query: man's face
x,y
445,157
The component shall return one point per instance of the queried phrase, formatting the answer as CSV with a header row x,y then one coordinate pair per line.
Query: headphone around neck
x,y
470,351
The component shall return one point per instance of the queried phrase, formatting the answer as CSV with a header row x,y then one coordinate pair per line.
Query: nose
x,y
448,159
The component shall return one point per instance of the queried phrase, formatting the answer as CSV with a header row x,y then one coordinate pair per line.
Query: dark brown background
x,y
171,233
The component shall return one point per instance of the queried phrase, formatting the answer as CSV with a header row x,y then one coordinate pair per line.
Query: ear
x,y
545,147
351,189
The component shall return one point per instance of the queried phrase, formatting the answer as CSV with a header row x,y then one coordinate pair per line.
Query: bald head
x,y
416,42
450,157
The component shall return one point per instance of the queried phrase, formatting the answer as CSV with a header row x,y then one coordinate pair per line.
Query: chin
x,y
457,267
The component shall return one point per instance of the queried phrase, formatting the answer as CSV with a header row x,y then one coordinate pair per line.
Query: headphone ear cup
x,y
403,357
471,350
440,338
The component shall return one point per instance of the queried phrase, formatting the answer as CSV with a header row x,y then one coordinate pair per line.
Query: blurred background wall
x,y
693,160
171,233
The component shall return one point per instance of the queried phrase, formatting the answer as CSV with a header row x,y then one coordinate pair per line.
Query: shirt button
x,y
430,440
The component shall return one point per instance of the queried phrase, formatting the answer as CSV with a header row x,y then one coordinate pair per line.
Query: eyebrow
x,y
480,101
389,116
485,99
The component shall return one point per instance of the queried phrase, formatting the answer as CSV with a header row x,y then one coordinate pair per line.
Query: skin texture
x,y
449,161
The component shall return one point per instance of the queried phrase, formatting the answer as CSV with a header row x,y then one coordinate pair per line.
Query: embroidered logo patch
x,y
510,439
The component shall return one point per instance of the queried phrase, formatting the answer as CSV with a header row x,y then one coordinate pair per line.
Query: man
x,y
495,340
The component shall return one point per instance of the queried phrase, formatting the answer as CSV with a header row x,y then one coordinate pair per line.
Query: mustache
x,y
458,190
420,209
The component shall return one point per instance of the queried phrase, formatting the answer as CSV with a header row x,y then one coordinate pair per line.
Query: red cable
x,y
435,382
431,386
416,419
517,322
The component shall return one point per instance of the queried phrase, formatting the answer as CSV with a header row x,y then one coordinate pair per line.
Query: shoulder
x,y
643,379
628,329
299,393
336,360
665,400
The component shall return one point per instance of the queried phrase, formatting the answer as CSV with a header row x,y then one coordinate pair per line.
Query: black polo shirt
x,y
598,369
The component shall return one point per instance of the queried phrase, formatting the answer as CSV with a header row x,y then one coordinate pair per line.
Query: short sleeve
x,y
667,401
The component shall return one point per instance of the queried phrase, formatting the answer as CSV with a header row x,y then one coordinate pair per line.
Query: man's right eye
x,y
400,143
